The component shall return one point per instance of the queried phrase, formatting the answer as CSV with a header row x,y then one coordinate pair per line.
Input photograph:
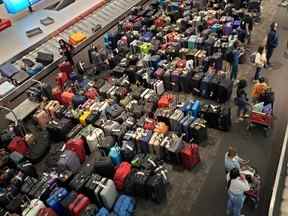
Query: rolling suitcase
x,y
44,58
8,70
69,161
46,212
95,139
173,148
77,145
67,200
196,108
90,210
115,155
199,130
59,129
204,86
196,82
42,118
19,77
224,120
78,205
66,67
19,145
106,192
128,150
124,206
78,100
34,207
190,156
185,125
157,187
143,142
175,119
31,71
54,200
224,90
122,171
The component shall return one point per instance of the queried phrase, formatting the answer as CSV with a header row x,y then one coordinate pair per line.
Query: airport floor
x,y
201,192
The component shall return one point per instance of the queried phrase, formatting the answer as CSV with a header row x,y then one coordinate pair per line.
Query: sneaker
x,y
246,116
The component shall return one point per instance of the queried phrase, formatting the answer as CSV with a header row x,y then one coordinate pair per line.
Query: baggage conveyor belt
x,y
108,16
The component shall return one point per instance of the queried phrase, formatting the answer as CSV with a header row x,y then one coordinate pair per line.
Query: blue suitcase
x,y
185,124
124,206
8,70
54,201
144,142
187,107
196,108
236,24
115,155
147,36
31,71
78,100
103,212
204,86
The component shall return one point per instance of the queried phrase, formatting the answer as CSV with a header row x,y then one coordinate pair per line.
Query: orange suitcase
x,y
77,37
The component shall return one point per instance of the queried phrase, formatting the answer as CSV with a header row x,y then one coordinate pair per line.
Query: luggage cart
x,y
260,119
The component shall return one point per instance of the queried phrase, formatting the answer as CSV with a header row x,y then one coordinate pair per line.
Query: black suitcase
x,y
224,90
167,80
157,188
78,181
68,200
213,87
27,168
28,184
199,130
44,58
58,129
91,185
140,181
195,83
224,120
128,150
185,81
93,118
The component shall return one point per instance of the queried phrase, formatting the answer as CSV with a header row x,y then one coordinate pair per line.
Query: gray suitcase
x,y
109,126
106,193
69,160
175,119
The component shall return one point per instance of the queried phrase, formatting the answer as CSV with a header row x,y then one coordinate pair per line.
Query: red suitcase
x,y
77,145
91,93
190,156
121,174
46,212
61,79
66,98
4,23
181,63
19,145
66,67
149,124
57,92
165,101
211,22
78,205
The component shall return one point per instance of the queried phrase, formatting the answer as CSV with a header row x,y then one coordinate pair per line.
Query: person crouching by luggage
x,y
237,186
235,61
259,89
241,100
260,61
232,160
66,50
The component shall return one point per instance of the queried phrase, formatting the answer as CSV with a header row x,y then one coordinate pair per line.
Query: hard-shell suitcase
x,y
77,145
103,212
68,200
109,126
173,148
46,212
185,124
78,205
196,108
79,180
140,181
77,37
91,185
95,139
44,58
124,206
66,98
83,117
54,200
192,42
115,155
122,171
154,143
227,28
59,129
69,161
190,156
8,70
107,193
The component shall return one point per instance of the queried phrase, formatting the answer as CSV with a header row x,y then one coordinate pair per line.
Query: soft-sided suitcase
x,y
69,161
77,37
34,207
190,156
196,82
78,205
157,187
44,58
31,71
66,98
6,87
124,206
175,119
78,100
185,125
128,150
8,70
106,192
224,90
204,86
143,142
122,171
42,118
199,130
19,145
77,145
54,201
59,129
66,67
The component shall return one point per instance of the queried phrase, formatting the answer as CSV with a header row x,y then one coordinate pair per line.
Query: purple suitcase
x,y
8,70
228,28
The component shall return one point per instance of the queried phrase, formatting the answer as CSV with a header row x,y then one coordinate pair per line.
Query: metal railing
x,y
279,183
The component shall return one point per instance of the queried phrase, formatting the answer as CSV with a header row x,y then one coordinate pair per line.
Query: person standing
x,y
237,186
260,61
272,42
66,50
235,60
241,100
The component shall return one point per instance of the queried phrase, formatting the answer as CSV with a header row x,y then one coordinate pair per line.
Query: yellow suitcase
x,y
77,37
83,117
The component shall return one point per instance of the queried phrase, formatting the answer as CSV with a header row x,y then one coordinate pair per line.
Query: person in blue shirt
x,y
235,62
232,160
271,42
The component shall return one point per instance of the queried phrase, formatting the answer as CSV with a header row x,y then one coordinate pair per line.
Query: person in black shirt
x,y
250,25
272,41
66,50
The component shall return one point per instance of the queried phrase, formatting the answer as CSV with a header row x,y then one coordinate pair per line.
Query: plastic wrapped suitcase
x,y
34,208
106,192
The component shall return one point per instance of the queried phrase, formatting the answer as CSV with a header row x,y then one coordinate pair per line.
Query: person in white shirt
x,y
237,186
232,160
260,61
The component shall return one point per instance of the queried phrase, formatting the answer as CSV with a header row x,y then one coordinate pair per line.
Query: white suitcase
x,y
159,87
95,139
33,208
